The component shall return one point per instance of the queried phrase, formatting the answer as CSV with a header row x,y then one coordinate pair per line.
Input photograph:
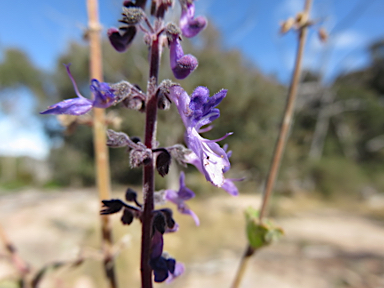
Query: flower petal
x,y
103,94
74,106
179,269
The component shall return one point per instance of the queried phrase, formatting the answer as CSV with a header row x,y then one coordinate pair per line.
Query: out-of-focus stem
x,y
99,138
281,141
149,170
21,266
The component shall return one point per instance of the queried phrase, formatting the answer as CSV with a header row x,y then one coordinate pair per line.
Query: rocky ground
x,y
323,246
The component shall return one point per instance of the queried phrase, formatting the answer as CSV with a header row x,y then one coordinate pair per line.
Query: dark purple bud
x,y
127,217
159,223
163,161
122,41
132,15
130,195
168,214
135,139
111,206
137,3
160,269
128,4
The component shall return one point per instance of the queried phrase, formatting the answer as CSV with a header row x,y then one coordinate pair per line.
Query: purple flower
x,y
181,65
163,268
189,25
208,157
103,98
179,197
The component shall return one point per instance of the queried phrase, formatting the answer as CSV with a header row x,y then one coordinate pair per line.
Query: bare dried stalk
x,y
99,139
21,266
281,142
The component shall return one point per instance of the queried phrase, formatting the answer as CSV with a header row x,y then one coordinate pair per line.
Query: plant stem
x,y
99,138
21,266
149,170
280,143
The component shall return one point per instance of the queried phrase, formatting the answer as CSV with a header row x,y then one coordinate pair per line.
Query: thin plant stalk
x,y
280,143
149,170
100,145
21,266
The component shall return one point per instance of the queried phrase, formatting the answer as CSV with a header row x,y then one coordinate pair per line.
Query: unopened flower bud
x,y
159,222
135,139
121,38
130,195
163,161
127,217
168,214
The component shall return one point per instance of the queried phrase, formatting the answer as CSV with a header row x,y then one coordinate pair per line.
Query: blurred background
x,y
329,195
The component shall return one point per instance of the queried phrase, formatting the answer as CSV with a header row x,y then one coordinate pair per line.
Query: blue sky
x,y
42,29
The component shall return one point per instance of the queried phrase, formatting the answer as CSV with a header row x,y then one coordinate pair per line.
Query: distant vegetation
x,y
336,146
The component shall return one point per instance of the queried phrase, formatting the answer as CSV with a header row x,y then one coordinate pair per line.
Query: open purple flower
x,y
103,98
197,111
189,25
179,197
181,65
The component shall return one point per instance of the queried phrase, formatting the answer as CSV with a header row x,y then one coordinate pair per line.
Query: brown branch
x,y
281,141
99,138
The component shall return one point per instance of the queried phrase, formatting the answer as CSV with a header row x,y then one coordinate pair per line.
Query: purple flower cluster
x,y
208,157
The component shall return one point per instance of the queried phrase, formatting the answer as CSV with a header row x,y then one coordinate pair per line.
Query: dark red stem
x,y
149,170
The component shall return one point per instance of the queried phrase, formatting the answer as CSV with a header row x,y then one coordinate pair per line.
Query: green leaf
x,y
260,234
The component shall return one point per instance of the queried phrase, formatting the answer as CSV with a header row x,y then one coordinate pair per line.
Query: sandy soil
x,y
322,248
